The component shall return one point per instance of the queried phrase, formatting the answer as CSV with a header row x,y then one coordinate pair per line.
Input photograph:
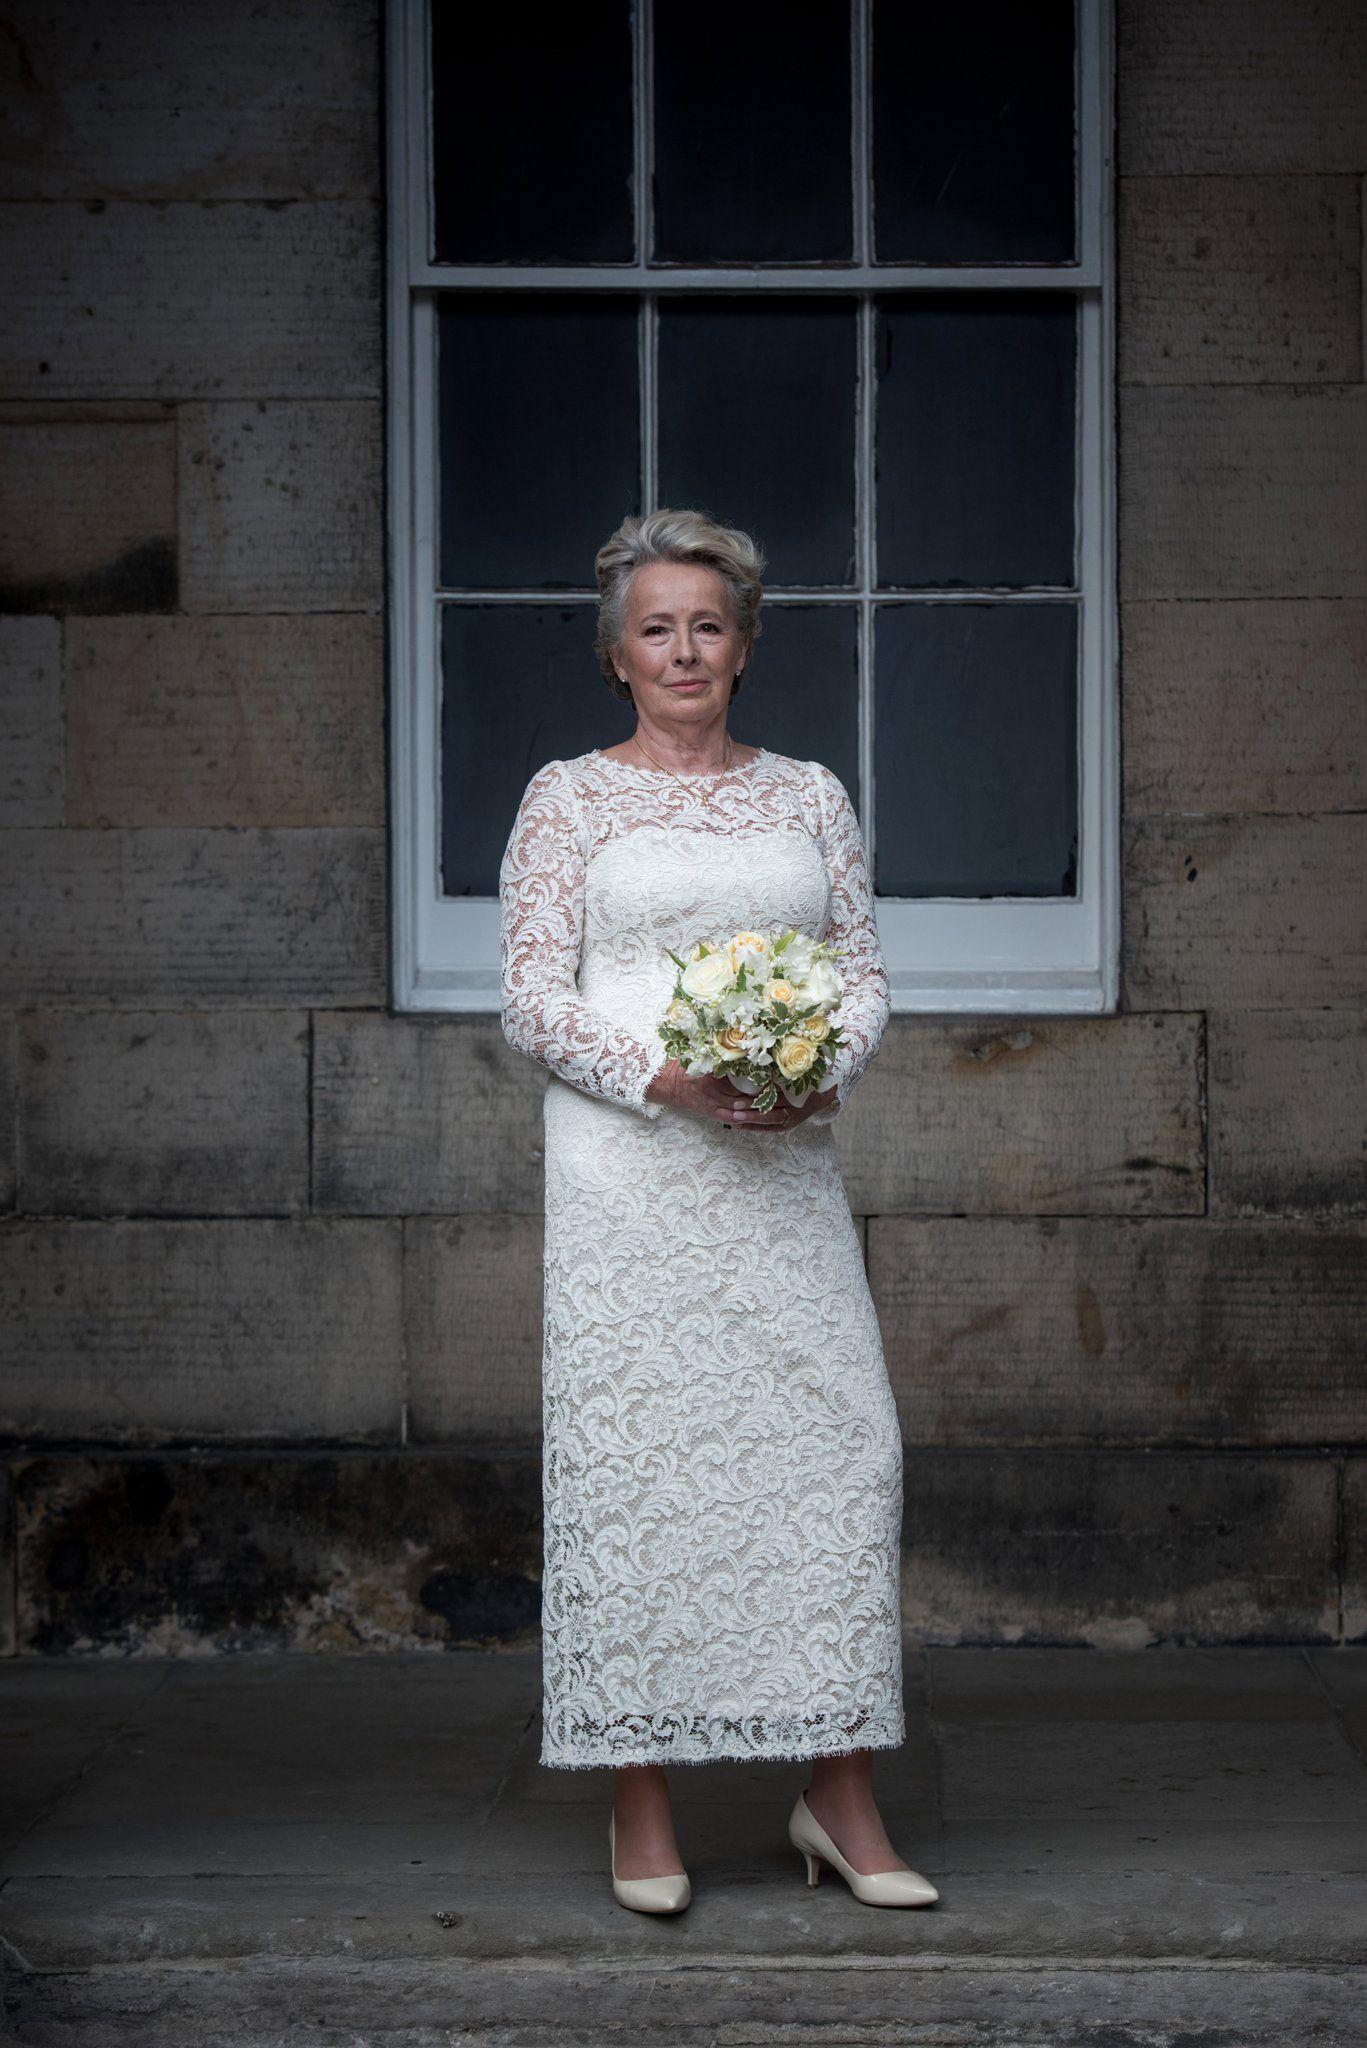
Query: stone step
x,y
1091,1960
858,2002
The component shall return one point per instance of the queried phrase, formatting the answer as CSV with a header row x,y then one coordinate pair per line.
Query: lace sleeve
x,y
541,925
853,930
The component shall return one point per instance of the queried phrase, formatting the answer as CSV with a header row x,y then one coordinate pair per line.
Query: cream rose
x,y
707,978
793,1056
742,943
780,991
729,1041
815,1028
681,1015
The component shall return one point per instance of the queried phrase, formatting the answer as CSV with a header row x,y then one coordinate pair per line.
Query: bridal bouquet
x,y
757,1009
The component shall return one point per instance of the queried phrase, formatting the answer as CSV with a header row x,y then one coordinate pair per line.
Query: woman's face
x,y
680,647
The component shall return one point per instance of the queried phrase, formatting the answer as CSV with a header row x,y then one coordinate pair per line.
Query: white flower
x,y
707,979
739,1006
820,984
683,1017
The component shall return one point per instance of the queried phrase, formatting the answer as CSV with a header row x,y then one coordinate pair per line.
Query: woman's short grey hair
x,y
674,535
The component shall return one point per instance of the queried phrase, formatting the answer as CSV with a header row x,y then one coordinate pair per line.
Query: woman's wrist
x,y
659,1088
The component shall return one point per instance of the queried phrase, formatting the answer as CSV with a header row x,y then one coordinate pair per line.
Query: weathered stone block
x,y
88,510
1288,1112
472,1325
332,1551
148,1332
1243,491
90,917
1084,1331
280,507
1355,1550
1244,913
1239,280
9,1620
189,301
1245,706
165,1112
144,1555
192,103
424,1115
225,721
1117,1549
9,1070
1227,86
1038,1115
30,722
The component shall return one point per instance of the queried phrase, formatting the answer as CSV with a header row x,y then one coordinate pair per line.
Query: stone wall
x,y
270,1257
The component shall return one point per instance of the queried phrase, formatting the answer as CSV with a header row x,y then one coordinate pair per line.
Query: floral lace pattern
x,y
722,1460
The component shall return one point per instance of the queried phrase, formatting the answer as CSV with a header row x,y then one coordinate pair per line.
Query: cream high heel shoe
x,y
874,1887
667,1894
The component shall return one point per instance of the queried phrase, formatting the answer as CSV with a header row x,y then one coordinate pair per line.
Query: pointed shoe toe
x,y
875,1887
667,1894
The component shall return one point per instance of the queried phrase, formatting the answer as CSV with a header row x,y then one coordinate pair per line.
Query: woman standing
x,y
722,1461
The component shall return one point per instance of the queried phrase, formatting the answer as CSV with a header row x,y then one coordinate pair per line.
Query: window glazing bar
x,y
834,279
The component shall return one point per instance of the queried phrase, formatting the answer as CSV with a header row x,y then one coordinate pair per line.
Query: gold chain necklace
x,y
705,794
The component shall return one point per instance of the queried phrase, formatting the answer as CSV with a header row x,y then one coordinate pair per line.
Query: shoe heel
x,y
813,1866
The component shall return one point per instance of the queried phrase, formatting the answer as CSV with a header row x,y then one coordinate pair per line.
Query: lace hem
x,y
717,1738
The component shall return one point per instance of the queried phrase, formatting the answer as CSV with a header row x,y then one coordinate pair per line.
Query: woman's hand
x,y
720,1101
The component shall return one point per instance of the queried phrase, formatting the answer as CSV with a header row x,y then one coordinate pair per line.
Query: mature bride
x,y
722,1463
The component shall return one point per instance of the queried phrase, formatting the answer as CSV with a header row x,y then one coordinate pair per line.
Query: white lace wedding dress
x,y
722,1462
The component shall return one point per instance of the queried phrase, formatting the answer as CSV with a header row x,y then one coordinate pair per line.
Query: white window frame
x,y
944,954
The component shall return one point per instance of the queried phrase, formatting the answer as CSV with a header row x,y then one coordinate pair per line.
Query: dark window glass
x,y
973,133
532,142
757,425
752,131
520,686
800,691
975,439
975,726
539,454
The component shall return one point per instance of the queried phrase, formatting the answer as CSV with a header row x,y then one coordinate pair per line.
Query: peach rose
x,y
793,1056
741,943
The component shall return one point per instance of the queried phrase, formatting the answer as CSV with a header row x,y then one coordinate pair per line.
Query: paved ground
x,y
1158,1849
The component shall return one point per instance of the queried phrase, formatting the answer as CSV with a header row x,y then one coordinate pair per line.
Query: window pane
x,y
520,686
532,135
539,438
975,439
800,691
975,730
752,132
757,426
973,127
